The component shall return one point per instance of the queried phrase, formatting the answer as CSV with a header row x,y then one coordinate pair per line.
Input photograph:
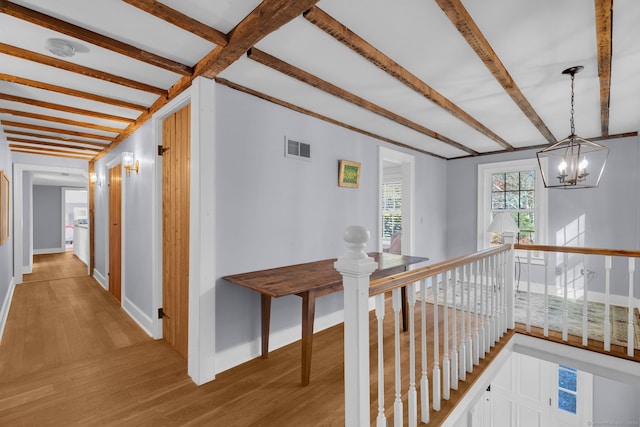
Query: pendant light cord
x,y
573,127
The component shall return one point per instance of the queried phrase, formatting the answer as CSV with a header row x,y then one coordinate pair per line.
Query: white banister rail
x,y
584,272
466,321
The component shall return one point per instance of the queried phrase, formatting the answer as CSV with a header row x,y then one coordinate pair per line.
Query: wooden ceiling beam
x,y
95,148
344,35
59,120
21,125
71,92
319,116
29,142
267,17
11,132
305,77
94,38
180,20
264,19
65,108
78,69
50,153
604,30
465,24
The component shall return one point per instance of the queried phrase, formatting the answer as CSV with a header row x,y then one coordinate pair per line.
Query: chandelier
x,y
574,162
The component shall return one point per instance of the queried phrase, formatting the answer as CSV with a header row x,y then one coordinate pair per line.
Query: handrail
x,y
389,283
578,250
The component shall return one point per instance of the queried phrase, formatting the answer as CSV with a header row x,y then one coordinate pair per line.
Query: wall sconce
x,y
93,177
129,162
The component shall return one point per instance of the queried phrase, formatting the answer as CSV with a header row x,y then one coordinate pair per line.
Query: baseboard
x,y
48,251
138,316
6,304
240,354
100,279
27,269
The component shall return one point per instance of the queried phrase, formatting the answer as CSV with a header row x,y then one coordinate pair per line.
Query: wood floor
x,y
70,356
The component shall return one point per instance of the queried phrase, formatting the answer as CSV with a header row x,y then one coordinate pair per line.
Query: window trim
x,y
485,170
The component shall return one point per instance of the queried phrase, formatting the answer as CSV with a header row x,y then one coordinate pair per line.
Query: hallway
x,y
71,356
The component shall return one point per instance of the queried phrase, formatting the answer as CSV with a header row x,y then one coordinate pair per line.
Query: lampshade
x,y
503,223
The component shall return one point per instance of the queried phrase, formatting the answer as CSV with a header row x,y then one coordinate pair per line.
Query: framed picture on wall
x,y
349,175
4,207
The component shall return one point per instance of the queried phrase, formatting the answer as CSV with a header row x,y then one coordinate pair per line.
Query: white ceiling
x,y
534,40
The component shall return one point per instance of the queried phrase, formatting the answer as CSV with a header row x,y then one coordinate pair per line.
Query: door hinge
x,y
162,149
162,314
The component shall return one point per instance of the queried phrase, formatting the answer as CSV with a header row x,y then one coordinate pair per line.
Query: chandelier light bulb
x,y
562,167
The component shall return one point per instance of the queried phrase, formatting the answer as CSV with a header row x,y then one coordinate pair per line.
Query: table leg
x,y
308,313
266,319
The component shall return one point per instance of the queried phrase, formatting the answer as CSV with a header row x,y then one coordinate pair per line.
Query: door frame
x,y
18,211
201,365
408,165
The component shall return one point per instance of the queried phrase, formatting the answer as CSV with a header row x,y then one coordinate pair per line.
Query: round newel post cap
x,y
356,234
356,237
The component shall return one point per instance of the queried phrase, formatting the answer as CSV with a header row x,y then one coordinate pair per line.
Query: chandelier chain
x,y
573,127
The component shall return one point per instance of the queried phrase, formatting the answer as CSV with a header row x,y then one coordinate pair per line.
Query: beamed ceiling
x,y
449,78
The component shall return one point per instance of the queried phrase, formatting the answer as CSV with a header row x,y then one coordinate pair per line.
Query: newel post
x,y
356,267
510,272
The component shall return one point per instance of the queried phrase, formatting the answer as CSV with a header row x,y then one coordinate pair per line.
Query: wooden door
x,y
175,229
115,231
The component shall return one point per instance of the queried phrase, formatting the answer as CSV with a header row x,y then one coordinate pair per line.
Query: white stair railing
x,y
356,268
571,270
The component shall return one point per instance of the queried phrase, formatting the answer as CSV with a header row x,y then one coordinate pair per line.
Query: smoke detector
x,y
59,47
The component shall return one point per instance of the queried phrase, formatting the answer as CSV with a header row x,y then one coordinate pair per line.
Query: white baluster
x,y
483,307
492,305
487,317
546,295
469,352
462,367
454,339
424,381
585,302
502,312
381,420
630,337
397,403
412,395
435,376
446,362
565,303
476,309
607,320
528,322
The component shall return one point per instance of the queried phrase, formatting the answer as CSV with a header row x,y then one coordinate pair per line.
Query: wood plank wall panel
x,y
175,228
115,231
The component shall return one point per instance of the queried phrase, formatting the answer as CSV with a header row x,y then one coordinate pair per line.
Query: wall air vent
x,y
297,149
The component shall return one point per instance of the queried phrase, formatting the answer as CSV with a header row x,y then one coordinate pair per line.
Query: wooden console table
x,y
310,281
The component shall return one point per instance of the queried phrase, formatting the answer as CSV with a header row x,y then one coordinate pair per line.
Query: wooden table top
x,y
315,276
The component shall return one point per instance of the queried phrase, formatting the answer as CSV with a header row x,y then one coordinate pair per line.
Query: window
x,y
567,389
515,187
391,210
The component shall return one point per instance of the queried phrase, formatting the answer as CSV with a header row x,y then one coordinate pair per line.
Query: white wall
x,y
47,219
6,249
615,403
137,286
610,211
274,211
